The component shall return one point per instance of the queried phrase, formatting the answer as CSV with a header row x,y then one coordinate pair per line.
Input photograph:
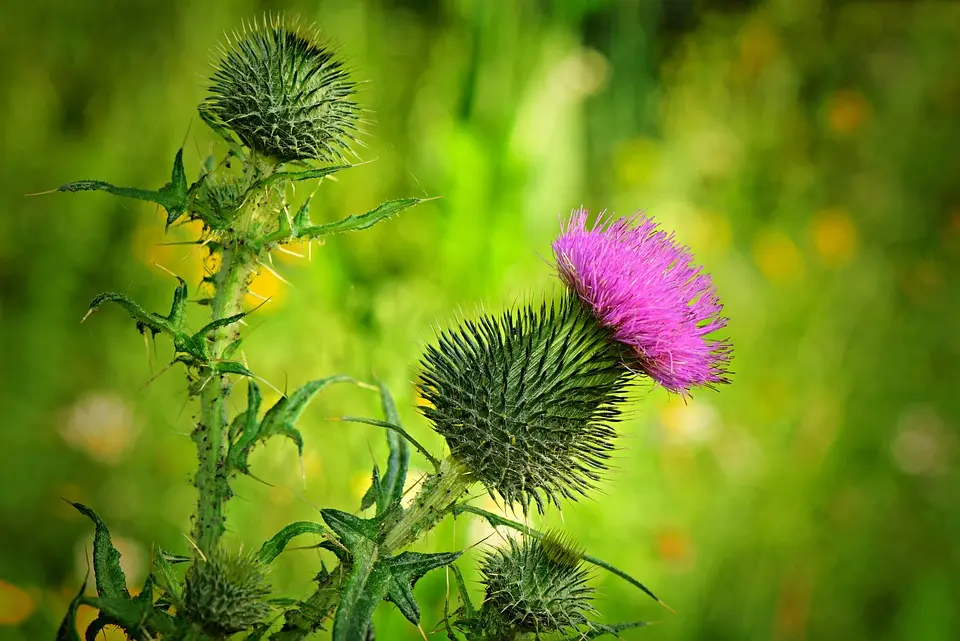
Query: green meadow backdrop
x,y
806,150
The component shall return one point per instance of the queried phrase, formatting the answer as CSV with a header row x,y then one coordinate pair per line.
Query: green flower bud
x,y
526,400
226,593
284,96
535,586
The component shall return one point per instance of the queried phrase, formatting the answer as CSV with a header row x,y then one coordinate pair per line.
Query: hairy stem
x,y
438,493
210,434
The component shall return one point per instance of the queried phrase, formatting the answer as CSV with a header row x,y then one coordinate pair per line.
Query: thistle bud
x,y
226,593
283,95
526,400
535,586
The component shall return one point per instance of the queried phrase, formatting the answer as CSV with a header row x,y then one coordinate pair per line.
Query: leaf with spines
x,y
374,578
405,570
388,490
173,197
68,626
358,222
166,578
281,177
272,548
111,581
597,630
190,349
247,432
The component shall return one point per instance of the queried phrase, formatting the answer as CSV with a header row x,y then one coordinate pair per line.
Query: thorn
x,y
289,252
422,633
87,315
159,266
196,547
42,193
156,376
257,296
274,272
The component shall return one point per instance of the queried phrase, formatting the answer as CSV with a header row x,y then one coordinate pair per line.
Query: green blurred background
x,y
807,151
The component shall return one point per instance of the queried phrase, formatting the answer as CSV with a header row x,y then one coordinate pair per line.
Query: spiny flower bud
x,y
526,400
226,593
535,586
284,96
646,289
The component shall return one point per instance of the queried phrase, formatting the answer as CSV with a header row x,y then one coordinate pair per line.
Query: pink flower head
x,y
643,286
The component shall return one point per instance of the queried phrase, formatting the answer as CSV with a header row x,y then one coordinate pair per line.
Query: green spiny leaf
x,y
207,116
111,581
367,584
598,630
279,419
96,627
374,494
296,176
272,548
399,461
166,577
399,430
405,570
361,221
172,196
353,531
68,627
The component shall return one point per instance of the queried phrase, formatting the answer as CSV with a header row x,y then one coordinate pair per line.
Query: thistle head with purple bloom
x,y
644,287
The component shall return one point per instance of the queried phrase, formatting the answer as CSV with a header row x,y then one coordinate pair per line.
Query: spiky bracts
x,y
534,586
525,400
646,289
226,593
283,95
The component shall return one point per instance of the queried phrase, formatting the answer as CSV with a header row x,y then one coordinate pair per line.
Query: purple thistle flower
x,y
643,286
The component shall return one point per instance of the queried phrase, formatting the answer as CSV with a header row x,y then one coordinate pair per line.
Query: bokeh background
x,y
806,150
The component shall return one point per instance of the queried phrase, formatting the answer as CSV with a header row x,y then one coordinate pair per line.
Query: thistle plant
x,y
527,400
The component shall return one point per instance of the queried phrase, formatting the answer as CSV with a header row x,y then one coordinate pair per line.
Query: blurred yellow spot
x,y
182,260
847,112
758,45
636,162
359,484
712,232
266,285
86,615
673,545
312,465
834,236
778,257
15,604
281,496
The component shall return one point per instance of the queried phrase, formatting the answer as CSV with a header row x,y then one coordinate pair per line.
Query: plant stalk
x,y
211,435
439,492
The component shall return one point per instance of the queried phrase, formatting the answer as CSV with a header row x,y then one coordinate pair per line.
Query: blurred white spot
x,y
100,424
584,72
921,445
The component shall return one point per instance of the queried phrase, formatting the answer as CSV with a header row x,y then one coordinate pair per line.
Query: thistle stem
x,y
439,492
210,434
431,504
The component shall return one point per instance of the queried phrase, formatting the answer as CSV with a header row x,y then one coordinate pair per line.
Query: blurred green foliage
x,y
806,150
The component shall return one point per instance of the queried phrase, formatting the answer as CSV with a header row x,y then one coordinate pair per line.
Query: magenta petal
x,y
645,287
